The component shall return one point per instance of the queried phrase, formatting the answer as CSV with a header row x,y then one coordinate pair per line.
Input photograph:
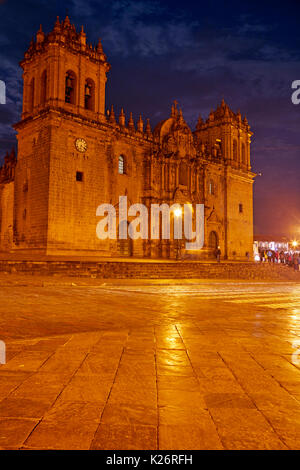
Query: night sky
x,y
197,53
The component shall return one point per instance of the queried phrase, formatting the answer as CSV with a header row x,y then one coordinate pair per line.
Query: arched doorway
x,y
213,241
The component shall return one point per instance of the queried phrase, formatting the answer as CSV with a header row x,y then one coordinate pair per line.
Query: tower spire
x,y
122,118
56,25
99,46
67,22
148,128
40,36
140,124
131,123
112,117
180,119
82,38
174,109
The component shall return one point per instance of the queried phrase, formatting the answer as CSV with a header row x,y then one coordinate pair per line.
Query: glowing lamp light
x,y
294,243
178,212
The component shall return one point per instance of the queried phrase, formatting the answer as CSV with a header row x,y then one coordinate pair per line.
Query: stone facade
x,y
73,156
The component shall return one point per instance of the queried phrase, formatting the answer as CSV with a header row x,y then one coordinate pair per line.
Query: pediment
x,y
213,217
182,196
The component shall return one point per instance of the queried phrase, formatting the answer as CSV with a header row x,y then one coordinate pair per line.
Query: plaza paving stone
x,y
150,365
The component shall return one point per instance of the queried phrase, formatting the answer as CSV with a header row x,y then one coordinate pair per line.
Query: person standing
x,y
281,256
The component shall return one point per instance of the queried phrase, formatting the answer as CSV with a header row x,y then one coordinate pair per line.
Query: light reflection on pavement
x,y
180,366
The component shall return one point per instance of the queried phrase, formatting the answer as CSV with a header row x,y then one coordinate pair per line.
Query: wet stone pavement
x,y
200,365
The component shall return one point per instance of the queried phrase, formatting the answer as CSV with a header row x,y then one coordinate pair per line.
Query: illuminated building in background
x,y
275,243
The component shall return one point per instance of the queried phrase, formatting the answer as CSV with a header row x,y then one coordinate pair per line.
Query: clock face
x,y
81,145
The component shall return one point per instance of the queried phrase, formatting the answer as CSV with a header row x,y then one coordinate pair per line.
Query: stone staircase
x,y
152,270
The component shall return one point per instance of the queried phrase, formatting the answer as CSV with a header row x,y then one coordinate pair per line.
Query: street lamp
x,y
294,243
177,214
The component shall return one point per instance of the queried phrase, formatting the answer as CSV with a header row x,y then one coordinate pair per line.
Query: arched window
x,y
44,87
31,95
70,87
121,165
244,154
234,150
89,94
183,174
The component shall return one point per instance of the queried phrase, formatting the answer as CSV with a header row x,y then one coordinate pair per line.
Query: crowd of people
x,y
289,258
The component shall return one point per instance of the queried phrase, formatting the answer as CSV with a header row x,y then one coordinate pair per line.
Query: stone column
x,y
167,176
247,150
26,85
101,90
176,174
239,149
162,176
53,78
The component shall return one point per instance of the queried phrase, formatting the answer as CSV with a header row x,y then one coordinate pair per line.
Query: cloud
x,y
135,30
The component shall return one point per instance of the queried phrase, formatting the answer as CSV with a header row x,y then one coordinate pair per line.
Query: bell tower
x,y
224,140
63,98
227,135
62,70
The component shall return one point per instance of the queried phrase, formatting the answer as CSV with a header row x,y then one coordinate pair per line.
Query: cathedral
x,y
74,155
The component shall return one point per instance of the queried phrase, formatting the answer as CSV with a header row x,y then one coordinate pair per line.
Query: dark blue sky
x,y
196,52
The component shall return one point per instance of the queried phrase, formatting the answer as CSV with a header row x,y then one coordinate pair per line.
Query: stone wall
x,y
72,218
239,216
31,196
153,270
6,215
